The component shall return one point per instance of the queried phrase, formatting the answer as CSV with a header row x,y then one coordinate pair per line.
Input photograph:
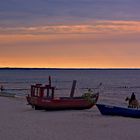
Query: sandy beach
x,y
20,122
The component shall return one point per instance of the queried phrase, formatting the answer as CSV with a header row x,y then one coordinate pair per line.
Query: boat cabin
x,y
47,91
41,91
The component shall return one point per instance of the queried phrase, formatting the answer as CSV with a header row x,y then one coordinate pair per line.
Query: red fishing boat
x,y
42,97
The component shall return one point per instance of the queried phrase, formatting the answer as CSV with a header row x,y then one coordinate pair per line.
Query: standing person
x,y
1,88
133,103
133,97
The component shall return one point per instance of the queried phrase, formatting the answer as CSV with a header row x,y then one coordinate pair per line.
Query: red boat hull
x,y
61,103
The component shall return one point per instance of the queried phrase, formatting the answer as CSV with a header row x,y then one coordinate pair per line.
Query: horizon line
x,y
41,68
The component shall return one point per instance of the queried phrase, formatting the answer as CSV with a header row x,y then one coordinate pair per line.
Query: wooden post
x,y
32,90
50,81
52,92
48,90
73,88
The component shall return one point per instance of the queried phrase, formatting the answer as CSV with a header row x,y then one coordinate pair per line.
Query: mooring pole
x,y
50,81
73,88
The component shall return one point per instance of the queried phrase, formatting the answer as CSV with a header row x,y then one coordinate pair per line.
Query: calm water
x,y
117,84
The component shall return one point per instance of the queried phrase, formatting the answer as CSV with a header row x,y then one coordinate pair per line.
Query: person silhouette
x,y
1,88
133,97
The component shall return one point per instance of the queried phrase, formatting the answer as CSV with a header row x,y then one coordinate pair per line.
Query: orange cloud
x,y
92,27
99,44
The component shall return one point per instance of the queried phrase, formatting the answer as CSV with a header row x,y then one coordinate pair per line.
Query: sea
x,y
113,85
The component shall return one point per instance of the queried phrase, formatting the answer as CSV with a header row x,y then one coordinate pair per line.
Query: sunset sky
x,y
70,33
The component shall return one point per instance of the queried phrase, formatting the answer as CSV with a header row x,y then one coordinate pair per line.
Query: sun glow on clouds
x,y
100,44
93,27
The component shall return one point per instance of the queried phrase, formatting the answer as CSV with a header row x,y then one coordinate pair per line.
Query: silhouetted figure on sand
x,y
133,97
132,102
1,88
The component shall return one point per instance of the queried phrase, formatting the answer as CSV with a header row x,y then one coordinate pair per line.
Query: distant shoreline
x,y
8,68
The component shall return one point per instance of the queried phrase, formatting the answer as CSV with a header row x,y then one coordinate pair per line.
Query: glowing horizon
x,y
85,34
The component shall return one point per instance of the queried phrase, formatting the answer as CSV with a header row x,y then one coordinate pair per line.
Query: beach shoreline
x,y
19,121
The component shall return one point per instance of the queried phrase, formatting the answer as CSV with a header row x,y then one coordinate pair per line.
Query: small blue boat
x,y
118,111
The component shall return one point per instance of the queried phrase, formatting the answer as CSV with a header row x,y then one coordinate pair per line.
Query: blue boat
x,y
118,111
